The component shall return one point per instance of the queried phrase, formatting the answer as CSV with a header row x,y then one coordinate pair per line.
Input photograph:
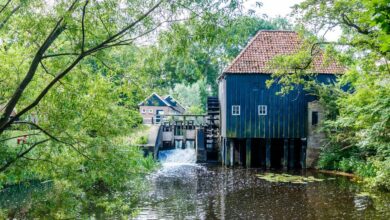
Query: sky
x,y
272,8
282,8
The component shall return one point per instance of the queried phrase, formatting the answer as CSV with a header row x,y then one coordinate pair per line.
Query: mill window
x,y
262,110
235,110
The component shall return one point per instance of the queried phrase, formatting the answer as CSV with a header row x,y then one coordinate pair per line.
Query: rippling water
x,y
182,189
192,191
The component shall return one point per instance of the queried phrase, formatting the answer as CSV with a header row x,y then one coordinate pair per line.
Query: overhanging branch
x,y
20,155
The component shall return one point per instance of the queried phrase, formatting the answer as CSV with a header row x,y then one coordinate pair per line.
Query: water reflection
x,y
200,192
182,189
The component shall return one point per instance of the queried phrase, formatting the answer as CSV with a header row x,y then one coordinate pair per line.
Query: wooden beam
x,y
303,153
268,153
285,153
231,153
223,144
248,153
291,154
262,162
227,152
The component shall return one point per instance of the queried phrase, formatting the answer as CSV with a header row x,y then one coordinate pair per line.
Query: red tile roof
x,y
265,45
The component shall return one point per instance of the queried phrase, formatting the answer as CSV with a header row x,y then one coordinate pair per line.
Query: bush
x,y
142,140
381,179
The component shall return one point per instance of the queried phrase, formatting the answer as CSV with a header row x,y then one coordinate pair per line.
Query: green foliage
x,y
192,97
65,65
142,140
357,107
199,49
195,110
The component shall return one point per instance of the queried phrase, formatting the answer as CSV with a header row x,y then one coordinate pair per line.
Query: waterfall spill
x,y
178,157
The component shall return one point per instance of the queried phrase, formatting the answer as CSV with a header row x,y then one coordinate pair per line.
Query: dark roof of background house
x,y
155,100
265,45
170,100
176,105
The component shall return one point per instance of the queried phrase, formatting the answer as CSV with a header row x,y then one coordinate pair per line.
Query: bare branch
x,y
60,54
121,32
348,22
130,40
39,128
56,31
83,26
4,6
39,159
5,120
23,135
52,136
9,16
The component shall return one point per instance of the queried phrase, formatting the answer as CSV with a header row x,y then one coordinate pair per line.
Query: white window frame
x,y
262,109
150,110
236,109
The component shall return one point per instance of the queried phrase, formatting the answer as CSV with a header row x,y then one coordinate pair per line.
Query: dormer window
x,y
150,110
236,110
262,109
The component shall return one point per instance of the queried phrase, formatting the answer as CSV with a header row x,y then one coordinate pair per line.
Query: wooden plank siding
x,y
286,115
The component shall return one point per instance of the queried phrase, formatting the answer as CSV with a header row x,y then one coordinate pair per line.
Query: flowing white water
x,y
178,163
178,157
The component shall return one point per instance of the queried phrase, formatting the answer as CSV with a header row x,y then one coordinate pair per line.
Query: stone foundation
x,y
315,138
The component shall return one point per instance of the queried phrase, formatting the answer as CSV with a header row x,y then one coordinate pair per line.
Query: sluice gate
x,y
199,132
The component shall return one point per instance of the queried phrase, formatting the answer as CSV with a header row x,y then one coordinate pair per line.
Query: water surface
x,y
181,189
191,191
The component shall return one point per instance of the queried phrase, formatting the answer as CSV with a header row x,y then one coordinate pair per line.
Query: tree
x,y
196,51
358,125
62,61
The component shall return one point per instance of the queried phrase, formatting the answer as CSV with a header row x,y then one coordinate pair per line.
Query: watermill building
x,y
259,127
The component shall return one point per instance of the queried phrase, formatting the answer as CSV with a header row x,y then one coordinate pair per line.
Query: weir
x,y
198,134
178,156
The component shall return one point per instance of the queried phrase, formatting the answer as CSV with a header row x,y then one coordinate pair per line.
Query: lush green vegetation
x,y
73,72
358,107
189,56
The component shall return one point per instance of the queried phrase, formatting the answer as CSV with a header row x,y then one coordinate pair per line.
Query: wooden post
x,y
262,162
227,152
237,157
303,153
268,153
223,151
292,154
285,153
231,153
248,153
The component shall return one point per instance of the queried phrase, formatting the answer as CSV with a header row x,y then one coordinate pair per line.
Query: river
x,y
182,189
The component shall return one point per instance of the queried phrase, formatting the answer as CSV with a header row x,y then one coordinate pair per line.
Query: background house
x,y
154,107
258,127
